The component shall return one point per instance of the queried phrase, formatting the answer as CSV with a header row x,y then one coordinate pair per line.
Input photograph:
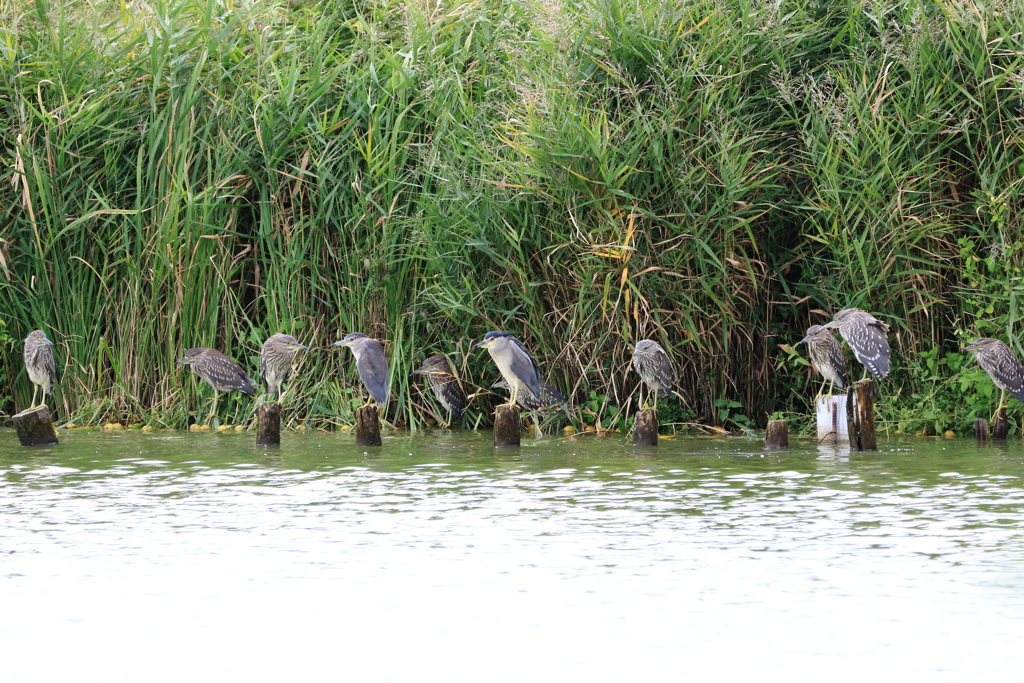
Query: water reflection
x,y
605,559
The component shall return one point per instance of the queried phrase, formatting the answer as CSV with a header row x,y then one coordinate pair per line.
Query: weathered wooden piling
x,y
645,429
981,429
833,423
35,428
1001,426
866,415
368,426
268,424
777,435
506,426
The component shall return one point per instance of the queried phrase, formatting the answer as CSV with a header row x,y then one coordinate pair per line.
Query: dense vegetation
x,y
717,175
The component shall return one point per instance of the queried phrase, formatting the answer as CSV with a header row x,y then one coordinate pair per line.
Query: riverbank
x,y
717,176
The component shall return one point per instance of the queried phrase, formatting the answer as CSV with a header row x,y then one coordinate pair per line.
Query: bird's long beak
x,y
805,339
832,324
418,370
482,345
632,349
301,346
180,360
970,347
341,342
47,341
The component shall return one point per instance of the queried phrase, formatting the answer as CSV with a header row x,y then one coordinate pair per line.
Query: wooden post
x,y
506,426
1001,426
35,427
645,429
866,415
833,426
777,435
981,429
268,424
368,426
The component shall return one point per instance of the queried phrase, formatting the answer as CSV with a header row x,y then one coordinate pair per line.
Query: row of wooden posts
x,y
35,427
836,425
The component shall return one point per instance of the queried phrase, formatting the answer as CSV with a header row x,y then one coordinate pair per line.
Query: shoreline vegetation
x,y
716,175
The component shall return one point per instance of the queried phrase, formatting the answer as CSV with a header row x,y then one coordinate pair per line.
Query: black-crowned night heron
x,y
39,364
514,362
371,364
1002,366
655,368
867,337
550,398
276,361
826,355
219,371
445,385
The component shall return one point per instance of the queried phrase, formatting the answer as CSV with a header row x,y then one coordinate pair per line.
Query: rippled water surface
x,y
170,556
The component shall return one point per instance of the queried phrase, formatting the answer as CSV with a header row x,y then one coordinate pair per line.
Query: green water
x,y
130,556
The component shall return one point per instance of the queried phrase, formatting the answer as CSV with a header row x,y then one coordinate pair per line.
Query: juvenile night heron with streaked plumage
x,y
445,385
514,362
867,338
655,368
827,357
276,361
219,371
371,364
39,364
999,361
549,399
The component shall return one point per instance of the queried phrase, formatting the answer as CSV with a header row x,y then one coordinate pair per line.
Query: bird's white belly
x,y
506,371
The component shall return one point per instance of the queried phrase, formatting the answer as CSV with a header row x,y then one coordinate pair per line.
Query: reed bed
x,y
716,175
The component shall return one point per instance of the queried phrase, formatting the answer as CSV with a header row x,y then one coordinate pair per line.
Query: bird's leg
x,y
514,395
1002,400
34,390
213,406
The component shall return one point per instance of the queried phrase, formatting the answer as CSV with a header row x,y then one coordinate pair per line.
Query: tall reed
x,y
717,175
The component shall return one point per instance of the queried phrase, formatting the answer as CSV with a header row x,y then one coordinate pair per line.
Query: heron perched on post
x,y
220,372
826,355
867,337
371,365
39,364
549,397
514,362
445,385
1002,366
276,361
655,368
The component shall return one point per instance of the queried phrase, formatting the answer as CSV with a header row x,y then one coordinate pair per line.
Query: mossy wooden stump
x,y
865,409
507,427
35,428
645,429
777,435
268,424
1001,426
981,429
368,426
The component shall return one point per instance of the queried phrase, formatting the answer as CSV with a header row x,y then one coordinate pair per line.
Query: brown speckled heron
x,y
219,371
827,357
514,362
867,337
276,361
549,399
999,361
445,385
39,364
655,368
371,364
